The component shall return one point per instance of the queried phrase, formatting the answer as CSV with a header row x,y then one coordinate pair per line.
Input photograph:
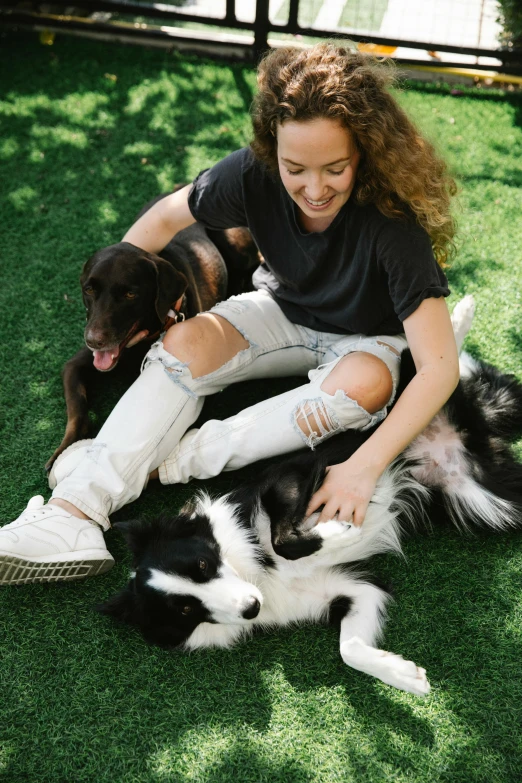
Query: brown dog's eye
x,y
186,610
130,295
202,564
88,290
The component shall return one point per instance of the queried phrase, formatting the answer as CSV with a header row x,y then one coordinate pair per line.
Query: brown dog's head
x,y
127,293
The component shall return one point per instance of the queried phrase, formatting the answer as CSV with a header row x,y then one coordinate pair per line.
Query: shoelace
x,y
30,515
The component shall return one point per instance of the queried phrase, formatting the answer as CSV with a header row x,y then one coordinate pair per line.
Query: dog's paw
x,y
462,318
387,667
335,531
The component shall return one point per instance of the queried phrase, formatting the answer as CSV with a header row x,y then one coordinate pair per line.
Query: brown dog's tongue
x,y
104,360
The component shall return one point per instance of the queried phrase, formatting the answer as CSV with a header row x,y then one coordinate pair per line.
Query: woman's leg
x,y
350,392
150,418
144,428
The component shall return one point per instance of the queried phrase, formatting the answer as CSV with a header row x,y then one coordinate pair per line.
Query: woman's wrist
x,y
369,460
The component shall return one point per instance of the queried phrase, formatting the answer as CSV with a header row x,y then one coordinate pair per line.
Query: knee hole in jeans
x,y
364,378
315,421
205,343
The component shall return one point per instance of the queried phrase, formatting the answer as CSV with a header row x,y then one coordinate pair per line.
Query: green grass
x,y
88,133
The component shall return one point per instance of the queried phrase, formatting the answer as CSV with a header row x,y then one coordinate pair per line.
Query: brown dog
x,y
131,296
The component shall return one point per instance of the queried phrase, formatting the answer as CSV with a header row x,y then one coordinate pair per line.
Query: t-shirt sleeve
x,y
404,250
216,197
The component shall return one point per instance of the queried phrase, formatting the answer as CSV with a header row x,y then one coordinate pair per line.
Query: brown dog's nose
x,y
97,338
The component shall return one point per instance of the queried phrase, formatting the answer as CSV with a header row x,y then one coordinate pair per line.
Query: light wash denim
x,y
145,431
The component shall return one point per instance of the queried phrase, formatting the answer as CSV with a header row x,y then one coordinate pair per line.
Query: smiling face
x,y
318,164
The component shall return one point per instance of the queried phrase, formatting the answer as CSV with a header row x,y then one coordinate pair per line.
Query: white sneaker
x,y
47,544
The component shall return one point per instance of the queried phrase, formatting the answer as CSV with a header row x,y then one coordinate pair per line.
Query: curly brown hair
x,y
399,170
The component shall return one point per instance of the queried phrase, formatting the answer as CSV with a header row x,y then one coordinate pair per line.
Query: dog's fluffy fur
x,y
251,559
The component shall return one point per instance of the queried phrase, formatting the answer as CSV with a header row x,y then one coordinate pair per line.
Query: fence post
x,y
230,13
261,23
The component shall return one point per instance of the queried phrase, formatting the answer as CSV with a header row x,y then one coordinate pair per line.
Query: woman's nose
x,y
315,189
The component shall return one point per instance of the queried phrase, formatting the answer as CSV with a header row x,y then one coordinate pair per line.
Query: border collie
x,y
221,568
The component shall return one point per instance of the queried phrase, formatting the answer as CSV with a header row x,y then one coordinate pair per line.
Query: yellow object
x,y
369,48
474,73
47,37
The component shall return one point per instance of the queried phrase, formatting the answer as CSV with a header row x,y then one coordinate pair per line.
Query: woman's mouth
x,y
318,205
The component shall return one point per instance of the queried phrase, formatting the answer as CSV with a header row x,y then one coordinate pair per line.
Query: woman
x,y
349,206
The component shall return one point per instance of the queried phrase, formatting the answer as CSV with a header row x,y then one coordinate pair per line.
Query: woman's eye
x,y
202,565
130,295
186,610
294,172
336,173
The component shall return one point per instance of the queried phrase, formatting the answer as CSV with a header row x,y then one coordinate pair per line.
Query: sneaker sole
x,y
14,571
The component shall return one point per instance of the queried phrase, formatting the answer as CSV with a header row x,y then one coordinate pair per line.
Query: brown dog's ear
x,y
171,286
86,271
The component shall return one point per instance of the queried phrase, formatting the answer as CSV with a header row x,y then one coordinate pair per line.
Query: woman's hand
x,y
346,491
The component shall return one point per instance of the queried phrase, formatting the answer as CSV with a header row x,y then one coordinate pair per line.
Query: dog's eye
x,y
130,295
202,565
88,290
186,610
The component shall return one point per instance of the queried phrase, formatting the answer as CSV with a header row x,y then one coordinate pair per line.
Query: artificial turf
x,y
88,133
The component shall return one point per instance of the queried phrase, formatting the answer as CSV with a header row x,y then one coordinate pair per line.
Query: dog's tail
x,y
496,395
473,504
466,456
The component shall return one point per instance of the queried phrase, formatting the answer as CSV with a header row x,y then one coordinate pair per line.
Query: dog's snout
x,y
97,339
252,609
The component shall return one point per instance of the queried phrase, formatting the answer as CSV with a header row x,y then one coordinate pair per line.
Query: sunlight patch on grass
x,y
5,752
39,389
108,215
166,178
141,148
8,147
196,754
59,134
35,346
22,197
84,108
163,90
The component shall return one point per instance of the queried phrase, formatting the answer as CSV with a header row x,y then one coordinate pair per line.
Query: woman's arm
x,y
348,487
154,230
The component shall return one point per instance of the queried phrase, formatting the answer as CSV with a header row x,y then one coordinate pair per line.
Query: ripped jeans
x,y
148,427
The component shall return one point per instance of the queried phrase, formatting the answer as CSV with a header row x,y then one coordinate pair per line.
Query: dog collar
x,y
174,314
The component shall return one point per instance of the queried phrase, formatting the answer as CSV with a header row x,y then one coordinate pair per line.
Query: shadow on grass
x,y
472,273
123,137
515,338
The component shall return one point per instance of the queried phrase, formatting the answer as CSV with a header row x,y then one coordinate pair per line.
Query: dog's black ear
x,y
137,533
120,607
164,636
171,286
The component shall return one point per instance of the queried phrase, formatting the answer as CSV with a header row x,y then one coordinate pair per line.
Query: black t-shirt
x,y
364,274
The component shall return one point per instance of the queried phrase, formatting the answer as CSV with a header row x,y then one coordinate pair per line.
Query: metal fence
x,y
450,33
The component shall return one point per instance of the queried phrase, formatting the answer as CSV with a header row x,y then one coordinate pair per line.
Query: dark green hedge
x,y
511,20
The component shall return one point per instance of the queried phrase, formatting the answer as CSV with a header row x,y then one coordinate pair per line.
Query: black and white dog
x,y
221,568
